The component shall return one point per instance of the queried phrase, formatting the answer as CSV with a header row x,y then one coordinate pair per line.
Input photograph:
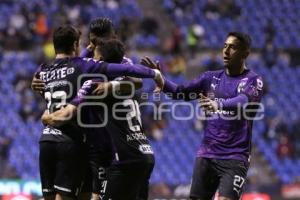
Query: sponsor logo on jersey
x,y
145,149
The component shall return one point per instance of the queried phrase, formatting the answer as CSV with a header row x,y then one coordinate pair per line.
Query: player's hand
x,y
101,88
91,47
207,104
45,118
150,63
159,80
37,85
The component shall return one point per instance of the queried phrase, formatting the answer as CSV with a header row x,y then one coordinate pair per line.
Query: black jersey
x,y
62,83
122,119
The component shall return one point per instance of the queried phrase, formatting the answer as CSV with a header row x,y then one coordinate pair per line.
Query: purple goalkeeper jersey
x,y
227,134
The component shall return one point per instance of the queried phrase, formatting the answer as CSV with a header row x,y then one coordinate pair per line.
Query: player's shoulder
x,y
253,75
216,72
213,73
82,62
82,59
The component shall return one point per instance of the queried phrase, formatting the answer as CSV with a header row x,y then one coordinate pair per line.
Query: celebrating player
x,y
224,155
61,151
129,174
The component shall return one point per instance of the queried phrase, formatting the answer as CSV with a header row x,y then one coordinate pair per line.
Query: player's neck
x,y
235,71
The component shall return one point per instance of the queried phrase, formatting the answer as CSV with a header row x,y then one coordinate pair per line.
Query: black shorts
x,y
226,176
128,182
62,168
98,162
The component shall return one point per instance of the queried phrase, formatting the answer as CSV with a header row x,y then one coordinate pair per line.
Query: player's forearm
x,y
60,117
138,71
130,84
233,103
178,92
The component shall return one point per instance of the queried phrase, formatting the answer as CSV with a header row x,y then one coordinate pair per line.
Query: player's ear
x,y
246,53
75,44
76,47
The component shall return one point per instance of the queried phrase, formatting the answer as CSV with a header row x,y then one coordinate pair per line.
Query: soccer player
x,y
99,151
61,149
101,29
129,174
223,158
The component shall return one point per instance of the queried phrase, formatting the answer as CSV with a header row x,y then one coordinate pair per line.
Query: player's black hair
x,y
244,38
112,50
102,27
64,38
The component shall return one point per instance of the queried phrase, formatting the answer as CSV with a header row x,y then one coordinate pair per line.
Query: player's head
x,y
111,50
66,40
236,49
101,28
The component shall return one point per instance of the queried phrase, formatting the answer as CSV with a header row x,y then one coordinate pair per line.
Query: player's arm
x,y
189,91
250,93
117,70
88,52
37,84
124,86
59,117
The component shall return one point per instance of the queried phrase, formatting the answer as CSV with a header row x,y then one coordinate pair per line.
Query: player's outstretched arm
x,y
189,91
59,117
117,70
124,86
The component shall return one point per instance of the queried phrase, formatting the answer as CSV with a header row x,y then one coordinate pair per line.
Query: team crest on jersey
x,y
214,83
241,85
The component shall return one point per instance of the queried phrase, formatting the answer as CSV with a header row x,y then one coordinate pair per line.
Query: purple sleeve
x,y
189,91
85,90
234,102
89,65
136,70
251,92
85,53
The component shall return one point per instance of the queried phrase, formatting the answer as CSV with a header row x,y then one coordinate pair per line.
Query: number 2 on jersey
x,y
134,115
62,95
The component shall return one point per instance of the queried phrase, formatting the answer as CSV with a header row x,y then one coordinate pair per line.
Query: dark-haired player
x,y
61,151
129,174
98,139
101,29
223,158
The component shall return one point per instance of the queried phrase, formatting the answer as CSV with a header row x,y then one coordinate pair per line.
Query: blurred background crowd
x,y
186,36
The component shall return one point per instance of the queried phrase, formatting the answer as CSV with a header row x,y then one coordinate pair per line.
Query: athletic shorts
x,y
62,168
128,182
97,164
226,176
